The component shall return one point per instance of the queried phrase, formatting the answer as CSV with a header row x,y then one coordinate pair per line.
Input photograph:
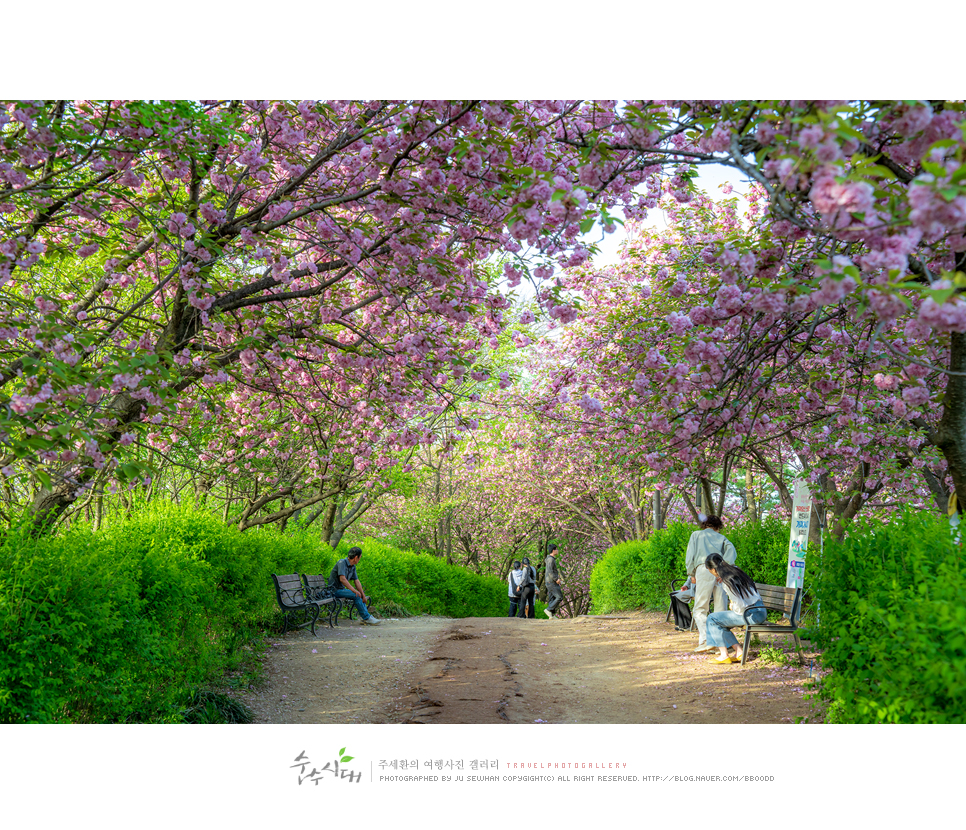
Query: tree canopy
x,y
292,300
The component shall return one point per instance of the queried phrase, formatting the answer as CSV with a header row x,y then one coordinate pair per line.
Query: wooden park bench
x,y
295,604
776,598
318,585
317,589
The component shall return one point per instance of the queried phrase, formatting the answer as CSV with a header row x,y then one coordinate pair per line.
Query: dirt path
x,y
632,668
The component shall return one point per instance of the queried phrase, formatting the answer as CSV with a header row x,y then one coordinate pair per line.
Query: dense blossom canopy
x,y
319,275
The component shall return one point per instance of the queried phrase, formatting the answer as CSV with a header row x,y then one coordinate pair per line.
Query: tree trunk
x,y
934,481
777,480
328,523
750,499
950,434
336,537
694,508
49,506
723,492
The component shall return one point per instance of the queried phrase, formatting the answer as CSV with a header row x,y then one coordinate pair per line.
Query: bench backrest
x,y
780,598
317,587
288,589
314,580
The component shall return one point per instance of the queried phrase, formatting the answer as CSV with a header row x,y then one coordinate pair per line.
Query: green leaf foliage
x,y
427,585
892,623
127,624
638,574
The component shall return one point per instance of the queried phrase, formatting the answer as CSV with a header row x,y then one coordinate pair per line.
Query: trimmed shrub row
x,y
426,585
124,625
638,574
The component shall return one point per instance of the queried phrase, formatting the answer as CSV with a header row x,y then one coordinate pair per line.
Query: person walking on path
x,y
701,545
744,596
552,581
515,586
529,589
341,581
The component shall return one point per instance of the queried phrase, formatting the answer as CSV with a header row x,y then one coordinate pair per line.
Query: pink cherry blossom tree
x,y
152,254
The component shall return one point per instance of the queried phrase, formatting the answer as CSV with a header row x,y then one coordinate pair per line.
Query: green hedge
x,y
762,549
125,624
424,584
892,623
638,574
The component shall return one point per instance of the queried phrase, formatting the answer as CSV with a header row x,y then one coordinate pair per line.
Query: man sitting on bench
x,y
341,579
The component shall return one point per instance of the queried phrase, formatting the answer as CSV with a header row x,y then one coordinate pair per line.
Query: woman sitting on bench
x,y
743,594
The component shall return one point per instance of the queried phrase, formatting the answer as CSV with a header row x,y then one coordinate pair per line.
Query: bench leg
x,y
745,645
798,645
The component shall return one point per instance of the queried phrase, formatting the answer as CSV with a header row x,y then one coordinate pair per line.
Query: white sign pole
x,y
798,541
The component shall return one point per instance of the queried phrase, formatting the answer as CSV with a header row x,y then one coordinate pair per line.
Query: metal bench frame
x,y
319,583
294,602
317,589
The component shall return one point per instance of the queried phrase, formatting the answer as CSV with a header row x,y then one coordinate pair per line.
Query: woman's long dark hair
x,y
736,580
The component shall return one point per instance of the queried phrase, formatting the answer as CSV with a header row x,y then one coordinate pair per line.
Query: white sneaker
x,y
548,612
371,621
704,647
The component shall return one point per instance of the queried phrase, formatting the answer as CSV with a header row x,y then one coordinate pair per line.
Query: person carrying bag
x,y
528,590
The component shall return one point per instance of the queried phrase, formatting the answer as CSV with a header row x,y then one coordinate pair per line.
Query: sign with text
x,y
798,541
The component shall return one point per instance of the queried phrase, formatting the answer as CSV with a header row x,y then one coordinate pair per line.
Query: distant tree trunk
x,y
336,537
950,434
750,495
723,489
695,509
776,478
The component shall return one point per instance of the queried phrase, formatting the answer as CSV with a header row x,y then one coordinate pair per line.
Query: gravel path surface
x,y
631,668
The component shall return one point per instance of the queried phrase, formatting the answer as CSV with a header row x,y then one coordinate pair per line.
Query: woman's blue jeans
x,y
720,624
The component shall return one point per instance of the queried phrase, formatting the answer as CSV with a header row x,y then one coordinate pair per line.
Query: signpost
x,y
798,541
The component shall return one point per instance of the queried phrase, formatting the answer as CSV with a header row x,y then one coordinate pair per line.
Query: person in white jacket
x,y
701,545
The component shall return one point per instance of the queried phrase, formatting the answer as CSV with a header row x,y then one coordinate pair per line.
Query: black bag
x,y
682,614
